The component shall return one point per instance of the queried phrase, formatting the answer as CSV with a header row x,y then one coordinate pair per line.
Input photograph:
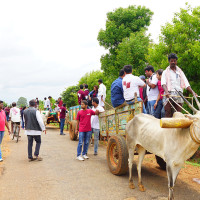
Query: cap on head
x,y
142,77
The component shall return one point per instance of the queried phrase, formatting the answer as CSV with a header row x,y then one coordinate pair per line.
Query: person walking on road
x,y
33,128
84,128
14,116
62,118
3,123
95,123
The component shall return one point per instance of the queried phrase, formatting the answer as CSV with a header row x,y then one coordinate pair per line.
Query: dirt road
x,y
61,177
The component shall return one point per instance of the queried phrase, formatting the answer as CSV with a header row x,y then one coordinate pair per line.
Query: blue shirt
x,y
117,93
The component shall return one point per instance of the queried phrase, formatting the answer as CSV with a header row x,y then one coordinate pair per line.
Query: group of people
x,y
158,91
97,92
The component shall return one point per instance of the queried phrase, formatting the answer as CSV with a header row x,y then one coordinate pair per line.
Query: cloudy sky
x,y
46,46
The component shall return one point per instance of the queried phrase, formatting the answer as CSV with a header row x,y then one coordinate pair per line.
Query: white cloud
x,y
46,46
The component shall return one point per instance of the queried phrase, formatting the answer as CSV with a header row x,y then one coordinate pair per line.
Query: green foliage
x,y
180,37
91,79
41,105
132,51
121,24
5,104
69,96
53,101
22,101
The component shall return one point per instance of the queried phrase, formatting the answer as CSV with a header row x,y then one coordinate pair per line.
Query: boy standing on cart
x,y
84,128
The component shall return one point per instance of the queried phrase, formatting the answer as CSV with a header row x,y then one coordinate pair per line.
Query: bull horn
x,y
197,101
187,102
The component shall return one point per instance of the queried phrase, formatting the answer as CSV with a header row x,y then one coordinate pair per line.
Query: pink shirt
x,y
2,120
161,90
84,117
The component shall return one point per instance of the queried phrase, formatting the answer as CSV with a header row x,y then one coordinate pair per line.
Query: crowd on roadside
x,y
157,91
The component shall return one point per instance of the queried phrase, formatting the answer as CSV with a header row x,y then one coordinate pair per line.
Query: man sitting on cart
x,y
131,86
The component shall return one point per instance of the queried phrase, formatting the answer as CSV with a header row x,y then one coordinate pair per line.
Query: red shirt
x,y
60,103
84,117
141,93
161,90
2,120
81,96
63,112
86,92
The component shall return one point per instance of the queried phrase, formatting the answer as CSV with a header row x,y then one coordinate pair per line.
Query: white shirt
x,y
45,103
15,114
152,93
95,118
41,123
102,91
48,104
131,85
175,80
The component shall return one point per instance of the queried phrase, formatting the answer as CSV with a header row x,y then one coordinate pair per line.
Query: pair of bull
x,y
174,145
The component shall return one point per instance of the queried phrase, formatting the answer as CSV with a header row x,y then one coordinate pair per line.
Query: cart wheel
x,y
72,128
161,162
117,155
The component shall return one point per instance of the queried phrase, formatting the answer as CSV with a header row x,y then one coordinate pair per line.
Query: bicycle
x,y
16,129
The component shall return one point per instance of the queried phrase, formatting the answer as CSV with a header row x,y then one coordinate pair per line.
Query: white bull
x,y
174,145
45,115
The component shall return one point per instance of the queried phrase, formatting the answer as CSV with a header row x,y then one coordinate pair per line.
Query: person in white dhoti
x,y
101,93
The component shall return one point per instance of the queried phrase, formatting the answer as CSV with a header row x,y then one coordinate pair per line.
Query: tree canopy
x,y
120,24
22,101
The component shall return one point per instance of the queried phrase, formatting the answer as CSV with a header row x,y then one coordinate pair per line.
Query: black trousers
x,y
37,138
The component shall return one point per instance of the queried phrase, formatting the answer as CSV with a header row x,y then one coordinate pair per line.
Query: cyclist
x,y
14,116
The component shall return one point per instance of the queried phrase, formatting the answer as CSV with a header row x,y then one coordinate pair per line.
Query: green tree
x,y
22,101
132,51
119,25
91,79
69,96
180,37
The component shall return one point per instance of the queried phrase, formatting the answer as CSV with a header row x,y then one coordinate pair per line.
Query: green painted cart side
x,y
114,121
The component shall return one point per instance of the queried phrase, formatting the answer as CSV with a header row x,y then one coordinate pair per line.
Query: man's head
x,y
1,104
149,70
95,102
86,86
36,98
142,77
84,104
100,81
14,104
159,74
64,105
49,97
172,58
121,73
32,103
128,69
81,87
45,98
